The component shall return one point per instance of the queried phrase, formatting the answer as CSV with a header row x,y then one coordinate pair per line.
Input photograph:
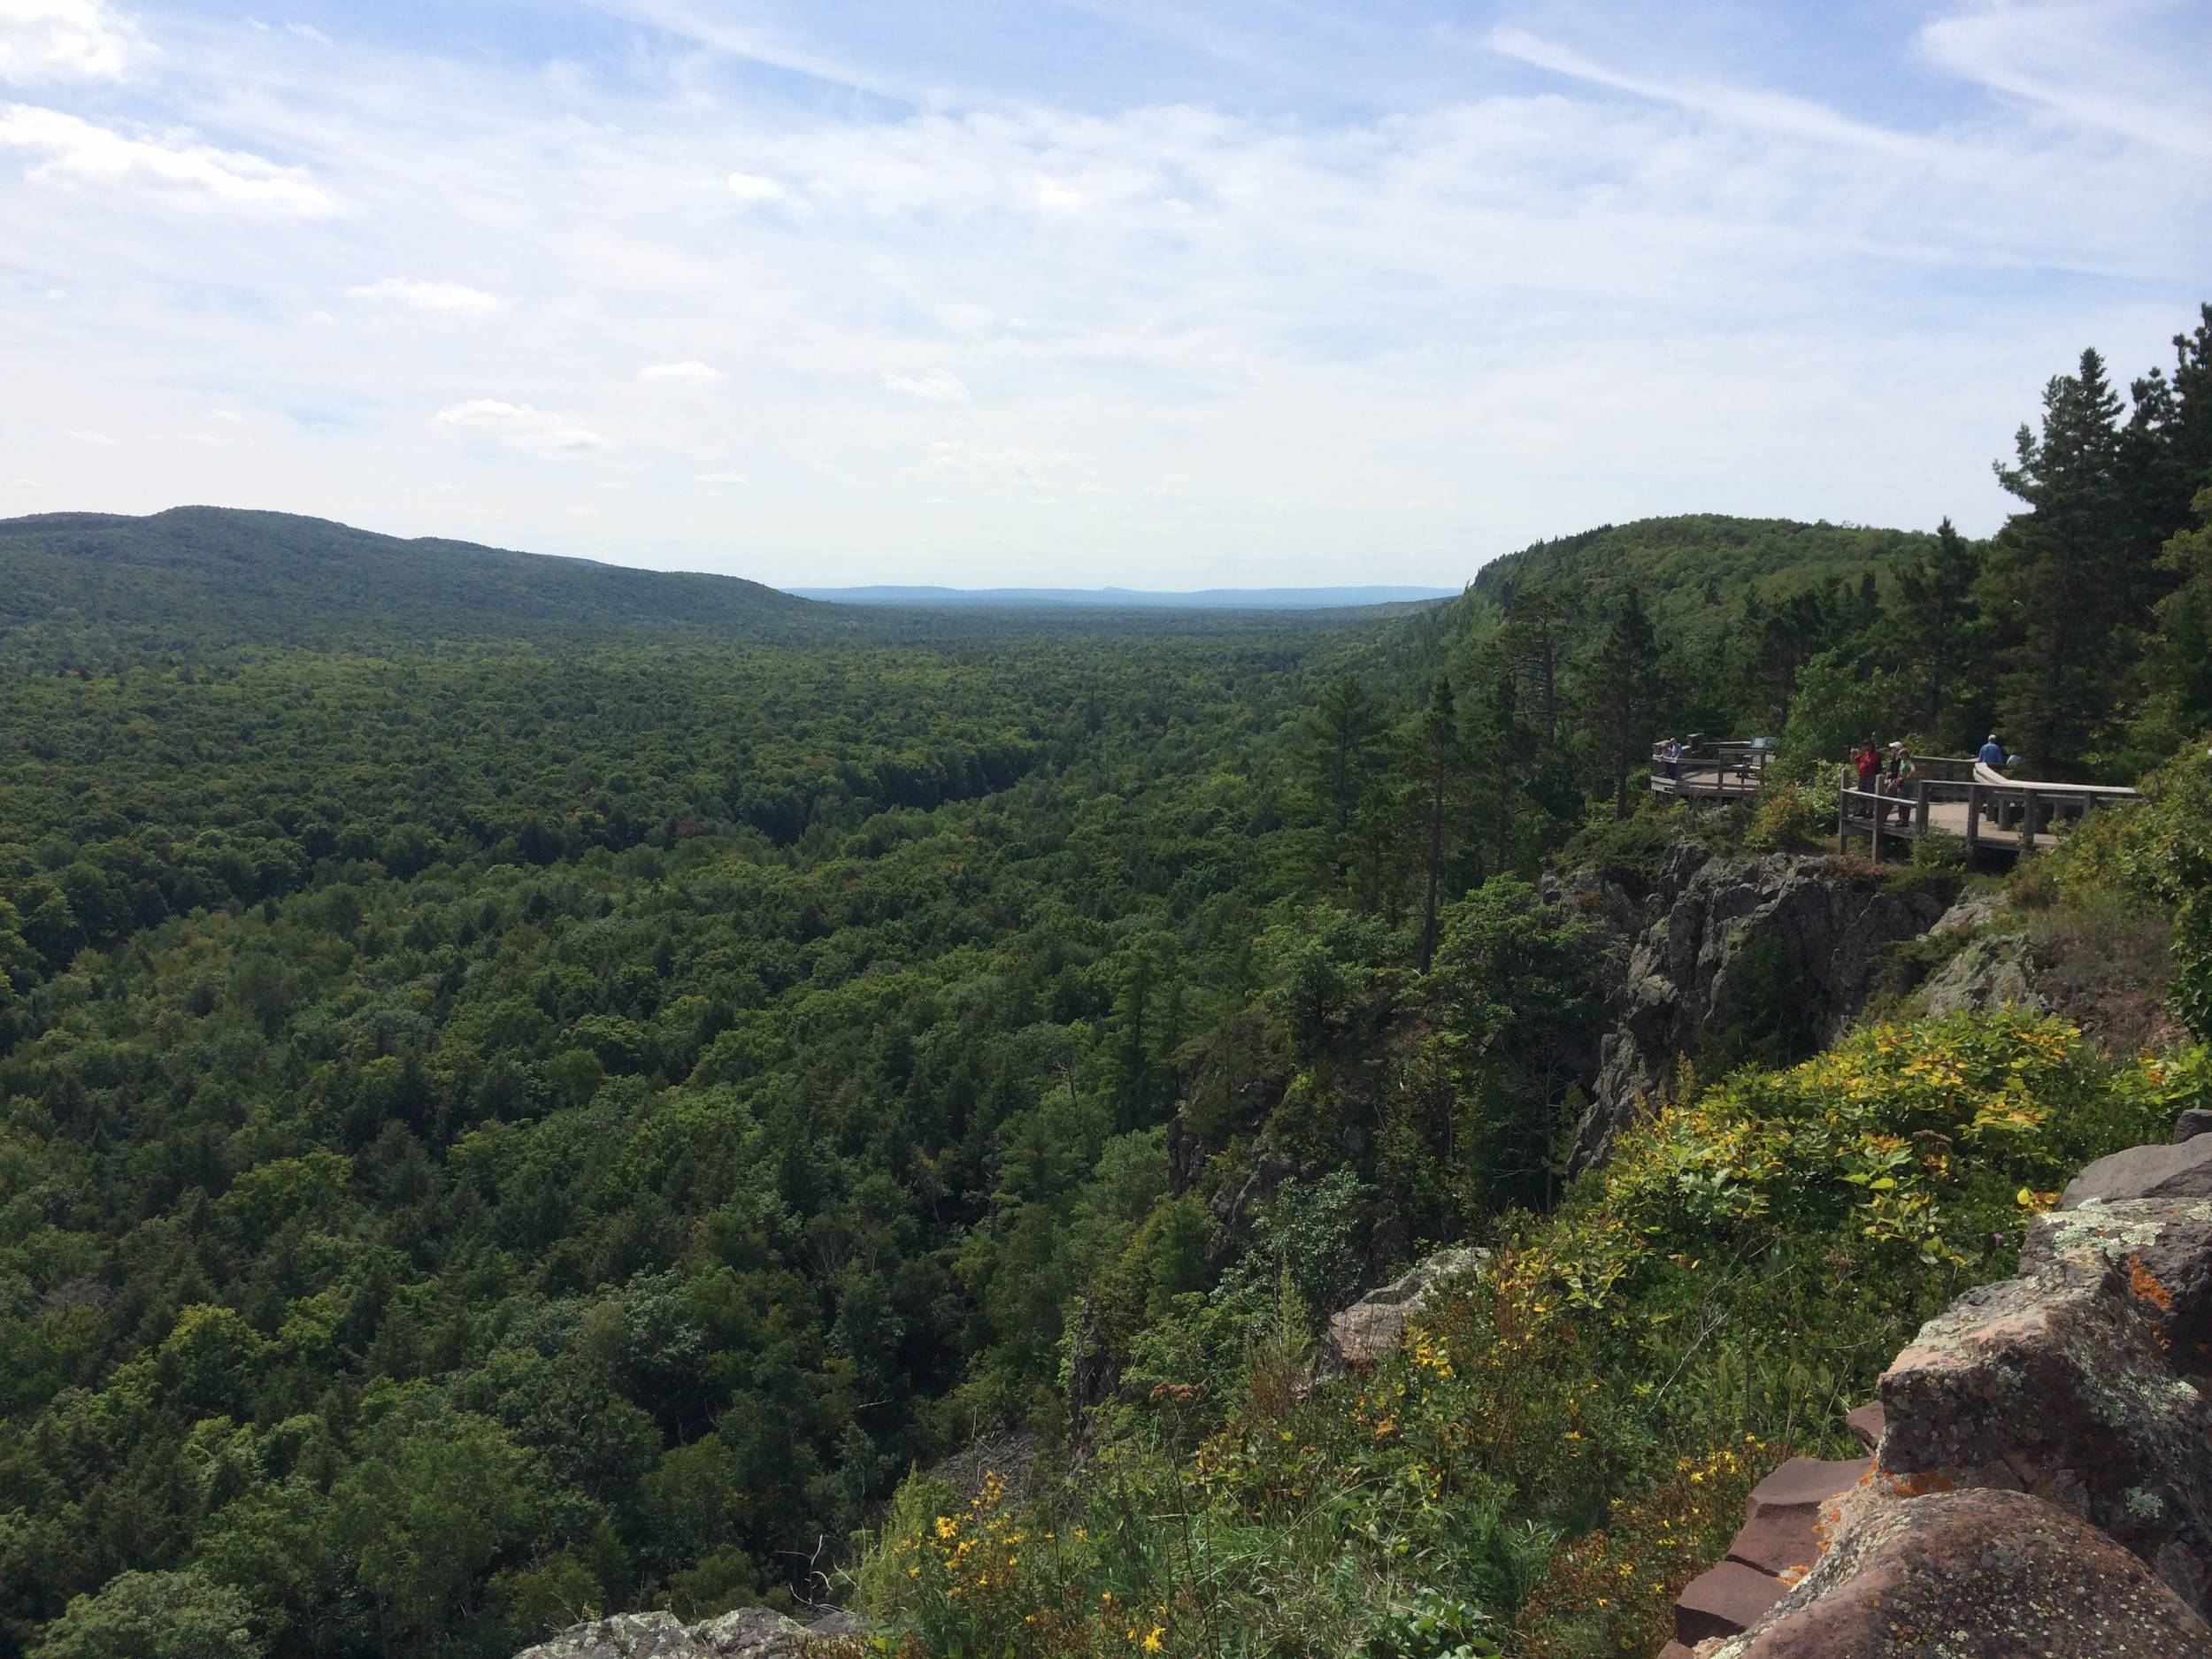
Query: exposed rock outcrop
x,y
2182,1169
1989,971
749,1632
2043,1477
1781,950
1375,1325
2057,1383
1973,1575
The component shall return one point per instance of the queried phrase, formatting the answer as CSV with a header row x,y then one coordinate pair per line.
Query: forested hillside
x,y
92,590
563,1098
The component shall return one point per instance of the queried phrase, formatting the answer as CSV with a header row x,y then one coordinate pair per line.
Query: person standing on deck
x,y
1868,760
1992,756
1897,778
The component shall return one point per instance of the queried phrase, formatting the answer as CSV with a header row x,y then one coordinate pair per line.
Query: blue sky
x,y
1085,292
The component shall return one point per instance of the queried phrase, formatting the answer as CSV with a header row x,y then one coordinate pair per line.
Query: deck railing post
x,y
1973,819
2031,802
1843,810
1874,833
1920,808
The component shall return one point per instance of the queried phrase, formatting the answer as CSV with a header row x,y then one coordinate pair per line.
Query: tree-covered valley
x,y
521,1097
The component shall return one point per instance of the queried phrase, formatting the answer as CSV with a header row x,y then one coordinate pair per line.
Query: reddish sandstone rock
x,y
1722,1600
1865,1423
1975,1575
1800,1485
1783,1544
2058,1383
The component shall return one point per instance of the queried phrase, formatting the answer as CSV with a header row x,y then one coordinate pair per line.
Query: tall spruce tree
x,y
1622,692
1441,761
1539,629
2057,574
1931,630
1342,734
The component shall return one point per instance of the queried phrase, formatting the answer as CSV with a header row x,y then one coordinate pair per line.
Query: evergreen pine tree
x,y
1621,688
1931,630
2056,575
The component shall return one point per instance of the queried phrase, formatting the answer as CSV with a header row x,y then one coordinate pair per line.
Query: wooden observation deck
x,y
1712,770
1949,795
1961,797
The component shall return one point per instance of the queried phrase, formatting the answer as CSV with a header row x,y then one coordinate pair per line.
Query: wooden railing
x,y
1970,801
1712,772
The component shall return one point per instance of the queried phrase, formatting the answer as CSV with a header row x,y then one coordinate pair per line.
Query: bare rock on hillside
x,y
1375,1325
1974,1575
1990,972
1792,946
2059,1383
2175,1172
748,1632
625,1636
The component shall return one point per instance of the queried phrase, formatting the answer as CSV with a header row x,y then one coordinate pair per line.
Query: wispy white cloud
x,y
935,387
67,40
1588,275
753,188
84,434
426,296
77,152
520,426
2089,64
686,373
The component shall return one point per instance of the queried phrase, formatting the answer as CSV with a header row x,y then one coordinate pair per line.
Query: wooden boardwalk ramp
x,y
1949,795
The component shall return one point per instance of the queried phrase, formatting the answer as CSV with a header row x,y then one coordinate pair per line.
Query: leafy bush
x,y
1702,1306
1785,819
2157,851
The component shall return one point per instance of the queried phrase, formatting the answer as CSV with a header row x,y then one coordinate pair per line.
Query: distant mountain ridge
x,y
91,585
1134,598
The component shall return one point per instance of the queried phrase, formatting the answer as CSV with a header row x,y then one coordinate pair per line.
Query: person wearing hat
x,y
1897,775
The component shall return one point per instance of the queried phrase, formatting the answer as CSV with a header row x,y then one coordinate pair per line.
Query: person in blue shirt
x,y
1992,752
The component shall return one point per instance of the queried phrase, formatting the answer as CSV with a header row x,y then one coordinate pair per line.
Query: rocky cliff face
x,y
2042,1475
1733,959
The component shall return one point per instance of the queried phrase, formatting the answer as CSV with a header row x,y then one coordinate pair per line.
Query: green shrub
x,y
1783,820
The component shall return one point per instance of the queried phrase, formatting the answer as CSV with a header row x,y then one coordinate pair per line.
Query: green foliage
x,y
154,1615
522,1090
2157,852
1708,1301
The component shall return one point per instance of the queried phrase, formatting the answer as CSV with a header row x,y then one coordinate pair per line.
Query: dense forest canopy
x,y
525,1086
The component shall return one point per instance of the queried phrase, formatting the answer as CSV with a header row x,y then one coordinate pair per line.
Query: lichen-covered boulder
x,y
1375,1325
2156,1252
1973,1575
2057,1383
625,1636
749,1632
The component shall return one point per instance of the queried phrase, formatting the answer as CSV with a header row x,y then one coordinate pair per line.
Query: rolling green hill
x,y
1695,570
81,588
